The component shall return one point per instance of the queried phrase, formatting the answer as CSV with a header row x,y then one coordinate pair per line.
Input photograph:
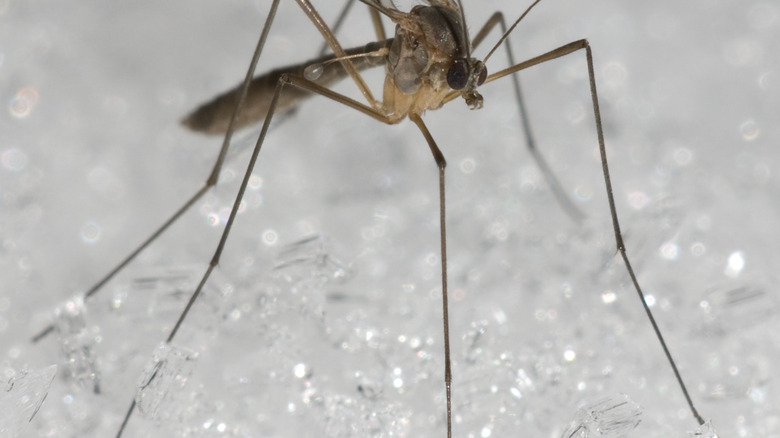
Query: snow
x,y
342,337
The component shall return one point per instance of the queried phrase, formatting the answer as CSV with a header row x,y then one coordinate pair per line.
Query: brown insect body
x,y
428,58
213,117
428,41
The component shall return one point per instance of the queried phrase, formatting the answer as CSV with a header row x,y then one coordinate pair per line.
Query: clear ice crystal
x,y
167,286
706,430
71,317
21,396
304,269
348,417
308,263
611,417
727,311
165,375
77,342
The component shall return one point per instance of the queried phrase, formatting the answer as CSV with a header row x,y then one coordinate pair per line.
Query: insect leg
x,y
557,188
327,34
283,81
441,163
210,181
310,86
337,25
375,19
621,247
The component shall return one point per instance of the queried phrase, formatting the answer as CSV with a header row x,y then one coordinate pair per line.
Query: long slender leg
x,y
375,19
379,28
337,25
557,188
441,163
621,247
327,34
213,176
210,181
284,81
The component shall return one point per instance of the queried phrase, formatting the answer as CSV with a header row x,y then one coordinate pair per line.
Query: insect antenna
x,y
511,28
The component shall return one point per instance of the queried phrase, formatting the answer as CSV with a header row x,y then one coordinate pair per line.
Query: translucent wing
x,y
446,3
387,7
458,7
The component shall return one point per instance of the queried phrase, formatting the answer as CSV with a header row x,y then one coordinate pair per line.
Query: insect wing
x,y
386,7
445,3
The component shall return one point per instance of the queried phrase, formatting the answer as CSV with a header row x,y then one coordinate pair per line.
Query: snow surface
x,y
341,335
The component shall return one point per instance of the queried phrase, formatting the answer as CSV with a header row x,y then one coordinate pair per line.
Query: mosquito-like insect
x,y
429,62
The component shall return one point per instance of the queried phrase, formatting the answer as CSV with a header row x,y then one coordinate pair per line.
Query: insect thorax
x,y
427,42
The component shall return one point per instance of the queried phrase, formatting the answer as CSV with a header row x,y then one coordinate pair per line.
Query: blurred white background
x,y
543,317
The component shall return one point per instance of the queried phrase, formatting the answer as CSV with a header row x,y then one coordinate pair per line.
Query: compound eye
x,y
458,74
481,72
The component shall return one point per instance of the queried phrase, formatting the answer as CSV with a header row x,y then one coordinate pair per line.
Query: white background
x,y
689,94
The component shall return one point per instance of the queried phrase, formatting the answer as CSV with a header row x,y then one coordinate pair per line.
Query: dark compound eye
x,y
458,75
481,71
